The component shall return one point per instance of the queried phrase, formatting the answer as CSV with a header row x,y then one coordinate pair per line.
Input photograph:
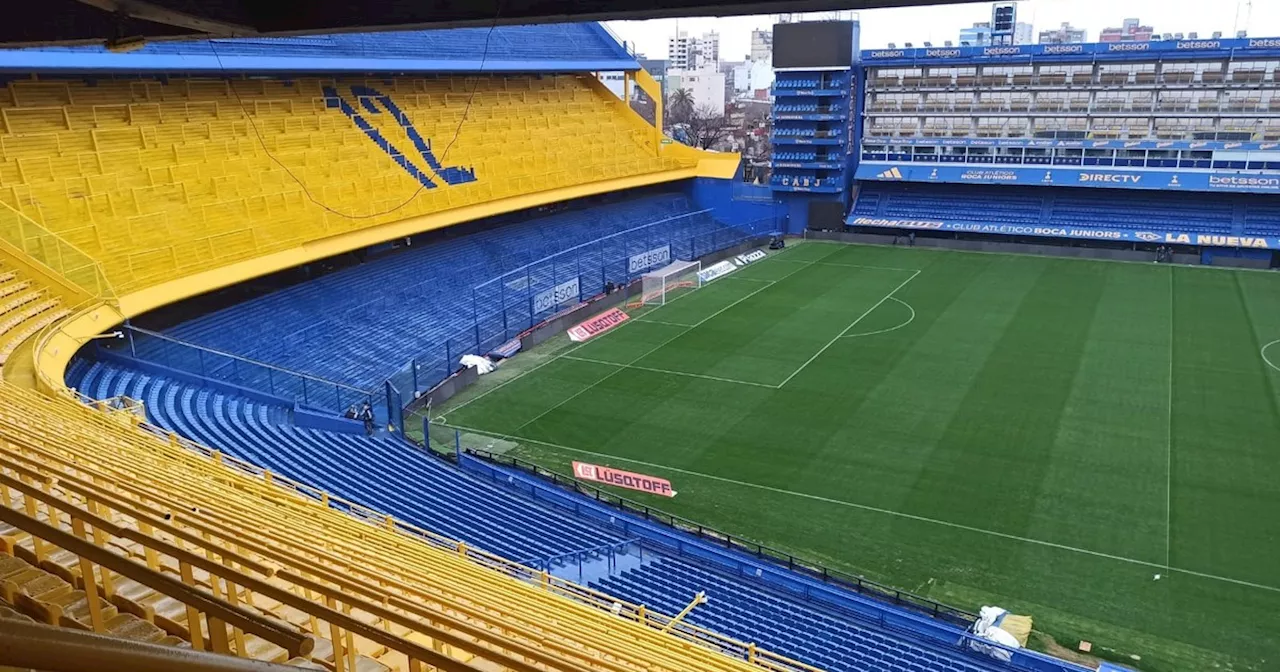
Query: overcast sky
x,y
940,23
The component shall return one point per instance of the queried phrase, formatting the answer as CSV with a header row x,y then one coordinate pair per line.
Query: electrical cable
x,y
484,55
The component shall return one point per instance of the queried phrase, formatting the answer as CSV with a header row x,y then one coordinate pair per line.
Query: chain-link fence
x,y
503,307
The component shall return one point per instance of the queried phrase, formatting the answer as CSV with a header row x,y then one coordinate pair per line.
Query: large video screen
x,y
818,44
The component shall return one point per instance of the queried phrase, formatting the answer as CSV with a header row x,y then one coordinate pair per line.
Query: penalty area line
x,y
575,348
885,331
672,373
883,511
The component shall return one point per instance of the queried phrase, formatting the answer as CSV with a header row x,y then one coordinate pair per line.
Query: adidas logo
x,y
891,174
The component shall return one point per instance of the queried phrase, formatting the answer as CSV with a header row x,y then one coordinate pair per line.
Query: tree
x,y
707,128
680,106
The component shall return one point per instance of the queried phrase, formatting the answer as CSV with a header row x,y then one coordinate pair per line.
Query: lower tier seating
x,y
359,325
828,641
392,476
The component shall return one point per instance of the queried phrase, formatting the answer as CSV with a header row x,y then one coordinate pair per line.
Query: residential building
x,y
752,76
980,34
762,45
1067,34
689,53
1130,30
614,81
706,85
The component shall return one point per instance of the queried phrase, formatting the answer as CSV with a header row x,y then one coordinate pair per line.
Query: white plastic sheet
x,y
482,365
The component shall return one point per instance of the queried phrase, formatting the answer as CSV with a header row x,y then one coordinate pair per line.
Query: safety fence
x,y
857,584
50,250
497,310
502,307
890,609
165,355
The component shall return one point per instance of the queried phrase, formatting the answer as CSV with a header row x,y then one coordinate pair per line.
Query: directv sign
x,y
1225,48
1075,233
1109,178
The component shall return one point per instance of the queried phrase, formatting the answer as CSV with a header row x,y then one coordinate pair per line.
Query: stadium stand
x,y
110,529
359,325
391,475
1042,206
175,508
827,640
26,307
162,178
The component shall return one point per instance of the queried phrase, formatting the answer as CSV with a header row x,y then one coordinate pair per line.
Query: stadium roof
x,y
562,47
87,21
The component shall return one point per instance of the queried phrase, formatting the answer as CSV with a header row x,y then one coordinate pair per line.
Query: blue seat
x,y
390,475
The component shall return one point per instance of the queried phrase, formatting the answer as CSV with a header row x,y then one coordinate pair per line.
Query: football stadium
x,y
427,349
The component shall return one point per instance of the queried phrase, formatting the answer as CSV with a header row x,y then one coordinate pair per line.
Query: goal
x,y
670,281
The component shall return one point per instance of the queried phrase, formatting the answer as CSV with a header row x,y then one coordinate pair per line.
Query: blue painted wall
x,y
734,202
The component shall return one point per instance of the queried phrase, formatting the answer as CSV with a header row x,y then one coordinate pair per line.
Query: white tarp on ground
x,y
987,627
482,365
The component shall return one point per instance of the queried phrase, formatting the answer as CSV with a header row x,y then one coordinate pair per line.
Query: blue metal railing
x,y
505,306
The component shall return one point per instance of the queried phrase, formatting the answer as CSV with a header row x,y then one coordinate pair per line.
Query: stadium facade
x,y
1196,121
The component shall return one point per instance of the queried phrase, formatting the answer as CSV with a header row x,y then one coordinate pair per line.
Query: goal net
x,y
670,281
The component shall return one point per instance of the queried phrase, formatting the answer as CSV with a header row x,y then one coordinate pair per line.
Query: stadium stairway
x,y
113,529
392,476
26,307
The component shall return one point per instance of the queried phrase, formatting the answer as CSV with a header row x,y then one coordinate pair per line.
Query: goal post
x,y
670,281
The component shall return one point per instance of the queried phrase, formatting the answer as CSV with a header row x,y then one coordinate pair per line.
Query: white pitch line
x,y
656,348
887,512
1263,352
669,324
1168,452
775,257
846,329
739,277
885,331
832,263
673,373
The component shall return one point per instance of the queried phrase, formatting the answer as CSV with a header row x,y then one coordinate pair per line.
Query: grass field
x,y
1044,434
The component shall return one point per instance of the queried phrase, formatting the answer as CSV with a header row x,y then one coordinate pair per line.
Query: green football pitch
x,y
1048,435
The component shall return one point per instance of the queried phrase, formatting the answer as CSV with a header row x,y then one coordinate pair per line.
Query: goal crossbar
x,y
661,285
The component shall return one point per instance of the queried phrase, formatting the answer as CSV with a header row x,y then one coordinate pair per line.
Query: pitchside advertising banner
x,y
550,298
716,270
597,325
658,256
623,479
1158,237
1073,177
